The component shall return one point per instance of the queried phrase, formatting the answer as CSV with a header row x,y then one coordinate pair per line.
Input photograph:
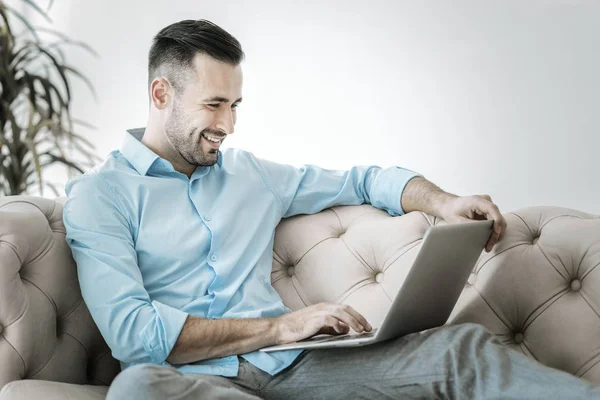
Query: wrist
x,y
440,204
274,330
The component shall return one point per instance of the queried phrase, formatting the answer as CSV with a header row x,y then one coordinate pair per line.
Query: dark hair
x,y
174,48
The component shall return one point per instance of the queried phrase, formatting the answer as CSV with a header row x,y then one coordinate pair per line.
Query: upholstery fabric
x,y
47,390
538,290
46,331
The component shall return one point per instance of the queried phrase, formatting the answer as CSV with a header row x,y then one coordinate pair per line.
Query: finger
x,y
337,312
344,328
330,323
491,242
338,329
327,330
491,211
360,318
504,225
343,324
490,245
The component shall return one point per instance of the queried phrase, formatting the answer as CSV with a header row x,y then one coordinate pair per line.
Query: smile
x,y
213,139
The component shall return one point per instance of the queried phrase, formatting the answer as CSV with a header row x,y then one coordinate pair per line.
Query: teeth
x,y
214,140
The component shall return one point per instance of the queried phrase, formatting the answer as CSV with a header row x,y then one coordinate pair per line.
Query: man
x,y
173,241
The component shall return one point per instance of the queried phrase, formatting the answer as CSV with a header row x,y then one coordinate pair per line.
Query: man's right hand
x,y
322,318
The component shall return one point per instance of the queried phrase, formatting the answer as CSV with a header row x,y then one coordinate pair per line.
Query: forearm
x,y
203,339
422,195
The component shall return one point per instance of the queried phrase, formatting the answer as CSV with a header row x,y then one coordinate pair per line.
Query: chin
x,y
208,161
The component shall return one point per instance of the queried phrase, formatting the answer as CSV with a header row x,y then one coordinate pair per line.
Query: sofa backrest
x,y
538,290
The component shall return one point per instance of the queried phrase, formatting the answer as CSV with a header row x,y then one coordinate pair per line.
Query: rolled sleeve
x,y
99,234
388,187
162,330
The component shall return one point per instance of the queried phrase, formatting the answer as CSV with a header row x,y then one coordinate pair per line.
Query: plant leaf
x,y
24,20
38,9
64,161
36,159
66,40
85,79
36,125
53,188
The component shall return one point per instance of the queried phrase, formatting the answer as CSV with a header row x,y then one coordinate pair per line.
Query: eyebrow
x,y
220,99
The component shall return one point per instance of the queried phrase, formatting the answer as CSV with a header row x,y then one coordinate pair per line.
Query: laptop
x,y
430,291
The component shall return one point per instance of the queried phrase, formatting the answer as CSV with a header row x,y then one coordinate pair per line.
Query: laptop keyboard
x,y
342,337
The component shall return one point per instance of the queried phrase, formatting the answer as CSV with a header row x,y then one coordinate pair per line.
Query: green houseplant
x,y
36,125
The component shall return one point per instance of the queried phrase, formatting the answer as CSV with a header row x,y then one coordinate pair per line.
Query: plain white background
x,y
496,97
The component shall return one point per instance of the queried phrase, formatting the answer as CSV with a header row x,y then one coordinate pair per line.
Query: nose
x,y
225,120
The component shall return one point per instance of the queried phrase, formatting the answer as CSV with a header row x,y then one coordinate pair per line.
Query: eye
x,y
235,105
214,105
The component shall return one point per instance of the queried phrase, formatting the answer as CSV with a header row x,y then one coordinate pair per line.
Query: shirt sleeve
x,y
136,328
310,189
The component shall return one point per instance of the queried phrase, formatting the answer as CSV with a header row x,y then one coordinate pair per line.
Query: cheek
x,y
202,120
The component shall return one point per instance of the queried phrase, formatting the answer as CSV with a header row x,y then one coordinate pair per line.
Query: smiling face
x,y
204,111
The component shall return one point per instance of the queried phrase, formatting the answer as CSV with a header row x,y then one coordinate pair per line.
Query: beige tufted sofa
x,y
538,290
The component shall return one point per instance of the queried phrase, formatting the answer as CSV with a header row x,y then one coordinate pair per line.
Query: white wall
x,y
497,97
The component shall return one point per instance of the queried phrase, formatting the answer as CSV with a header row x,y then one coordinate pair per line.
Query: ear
x,y
161,92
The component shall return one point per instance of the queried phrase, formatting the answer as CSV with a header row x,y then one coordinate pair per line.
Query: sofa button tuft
x,y
291,270
379,277
1,329
575,285
519,337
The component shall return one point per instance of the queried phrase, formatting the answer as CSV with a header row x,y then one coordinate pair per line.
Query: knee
x,y
473,329
137,382
472,334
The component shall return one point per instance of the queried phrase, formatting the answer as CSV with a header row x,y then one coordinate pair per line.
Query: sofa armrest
x,y
46,331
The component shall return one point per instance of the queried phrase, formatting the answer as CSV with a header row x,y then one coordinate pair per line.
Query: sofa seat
x,y
34,389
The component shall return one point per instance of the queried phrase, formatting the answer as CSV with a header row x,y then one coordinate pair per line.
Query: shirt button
x,y
207,217
213,257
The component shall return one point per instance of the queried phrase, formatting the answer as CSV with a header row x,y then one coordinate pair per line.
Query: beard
x,y
185,139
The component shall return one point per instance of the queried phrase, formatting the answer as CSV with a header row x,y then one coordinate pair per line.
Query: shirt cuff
x,y
388,189
160,334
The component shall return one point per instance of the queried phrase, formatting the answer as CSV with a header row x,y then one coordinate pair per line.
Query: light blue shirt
x,y
153,246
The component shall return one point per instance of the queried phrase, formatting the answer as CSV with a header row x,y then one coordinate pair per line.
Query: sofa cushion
x,y
37,389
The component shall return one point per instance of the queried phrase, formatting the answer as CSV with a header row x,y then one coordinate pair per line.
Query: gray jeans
x,y
463,361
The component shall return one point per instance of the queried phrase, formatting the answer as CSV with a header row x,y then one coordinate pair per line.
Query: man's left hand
x,y
477,207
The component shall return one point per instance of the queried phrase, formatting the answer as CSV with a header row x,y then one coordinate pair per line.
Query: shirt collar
x,y
140,156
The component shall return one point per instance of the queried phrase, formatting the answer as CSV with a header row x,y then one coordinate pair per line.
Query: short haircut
x,y
174,48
